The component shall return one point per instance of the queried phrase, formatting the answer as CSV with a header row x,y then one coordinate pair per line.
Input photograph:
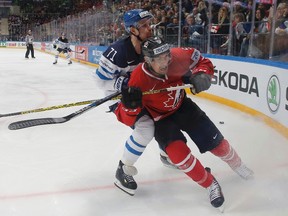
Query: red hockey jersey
x,y
163,104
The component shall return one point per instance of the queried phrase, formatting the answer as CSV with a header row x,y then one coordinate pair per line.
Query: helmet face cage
x,y
154,46
132,17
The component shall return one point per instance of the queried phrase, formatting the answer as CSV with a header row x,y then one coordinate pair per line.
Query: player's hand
x,y
54,46
69,50
120,83
131,97
200,81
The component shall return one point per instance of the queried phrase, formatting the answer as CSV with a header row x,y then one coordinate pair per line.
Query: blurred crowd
x,y
194,29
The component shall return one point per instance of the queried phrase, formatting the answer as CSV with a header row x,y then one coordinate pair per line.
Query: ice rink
x,y
68,169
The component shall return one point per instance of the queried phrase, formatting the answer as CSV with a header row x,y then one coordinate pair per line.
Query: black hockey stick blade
x,y
44,121
82,51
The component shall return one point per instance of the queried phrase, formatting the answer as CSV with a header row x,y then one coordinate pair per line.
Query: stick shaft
x,y
80,103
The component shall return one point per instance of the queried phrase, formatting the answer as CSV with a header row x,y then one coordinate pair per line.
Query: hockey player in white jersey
x,y
62,45
112,75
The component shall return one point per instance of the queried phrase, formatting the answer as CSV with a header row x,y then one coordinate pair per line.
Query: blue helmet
x,y
132,17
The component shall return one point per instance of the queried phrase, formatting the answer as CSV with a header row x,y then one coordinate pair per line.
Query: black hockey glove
x,y
54,46
200,81
69,50
131,97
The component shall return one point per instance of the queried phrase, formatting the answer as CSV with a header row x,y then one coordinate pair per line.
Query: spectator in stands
x,y
280,14
202,13
220,30
248,12
193,34
172,30
282,19
187,6
196,16
282,29
239,31
261,27
238,8
29,44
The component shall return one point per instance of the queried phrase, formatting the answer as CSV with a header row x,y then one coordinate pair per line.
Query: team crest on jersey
x,y
173,99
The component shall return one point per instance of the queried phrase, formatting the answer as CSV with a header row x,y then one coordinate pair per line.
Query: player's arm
x,y
130,105
55,42
200,73
26,40
109,73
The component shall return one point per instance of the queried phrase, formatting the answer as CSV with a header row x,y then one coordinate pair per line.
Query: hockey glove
x,y
121,82
54,46
69,50
131,97
200,81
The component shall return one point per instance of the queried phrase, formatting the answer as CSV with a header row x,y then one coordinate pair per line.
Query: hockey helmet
x,y
132,17
154,46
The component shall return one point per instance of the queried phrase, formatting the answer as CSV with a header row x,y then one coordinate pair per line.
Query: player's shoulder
x,y
186,51
182,49
117,52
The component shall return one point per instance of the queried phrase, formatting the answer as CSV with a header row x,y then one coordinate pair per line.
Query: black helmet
x,y
154,46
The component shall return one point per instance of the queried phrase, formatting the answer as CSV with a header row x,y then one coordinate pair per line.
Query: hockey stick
x,y
44,121
47,108
81,52
78,52
80,103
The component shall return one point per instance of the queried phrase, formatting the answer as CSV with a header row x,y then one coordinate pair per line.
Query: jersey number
x,y
112,54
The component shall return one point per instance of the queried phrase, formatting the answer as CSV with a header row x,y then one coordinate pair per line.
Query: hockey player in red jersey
x,y
173,112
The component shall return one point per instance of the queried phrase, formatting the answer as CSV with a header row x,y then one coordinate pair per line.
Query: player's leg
x,y
57,56
27,52
68,57
172,140
207,137
32,51
135,145
228,154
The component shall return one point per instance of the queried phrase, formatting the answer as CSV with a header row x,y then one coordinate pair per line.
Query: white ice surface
x,y
68,169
